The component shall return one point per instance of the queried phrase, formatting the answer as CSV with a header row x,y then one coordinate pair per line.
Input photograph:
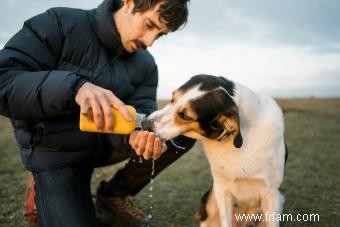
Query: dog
x,y
242,134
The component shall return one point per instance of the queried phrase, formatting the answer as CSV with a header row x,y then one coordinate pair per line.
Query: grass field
x,y
311,186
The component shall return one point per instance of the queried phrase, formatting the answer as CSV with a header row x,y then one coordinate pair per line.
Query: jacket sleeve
x,y
30,87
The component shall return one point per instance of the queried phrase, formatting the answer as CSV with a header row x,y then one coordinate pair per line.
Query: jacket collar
x,y
106,27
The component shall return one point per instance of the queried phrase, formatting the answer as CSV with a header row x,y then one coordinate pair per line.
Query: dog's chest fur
x,y
231,162
240,173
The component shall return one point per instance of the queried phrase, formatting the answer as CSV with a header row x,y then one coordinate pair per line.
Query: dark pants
x,y
63,195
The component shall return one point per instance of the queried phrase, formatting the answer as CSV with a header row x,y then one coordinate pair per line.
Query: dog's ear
x,y
238,140
231,123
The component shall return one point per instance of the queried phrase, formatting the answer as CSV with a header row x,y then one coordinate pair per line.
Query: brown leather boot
x,y
119,211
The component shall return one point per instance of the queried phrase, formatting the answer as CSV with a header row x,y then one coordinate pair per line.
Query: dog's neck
x,y
248,104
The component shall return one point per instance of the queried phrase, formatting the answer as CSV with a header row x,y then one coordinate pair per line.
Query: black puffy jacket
x,y
44,64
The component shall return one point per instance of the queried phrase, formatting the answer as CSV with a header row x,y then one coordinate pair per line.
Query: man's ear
x,y
129,4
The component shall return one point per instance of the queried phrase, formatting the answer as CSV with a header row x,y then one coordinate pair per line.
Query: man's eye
x,y
148,25
185,117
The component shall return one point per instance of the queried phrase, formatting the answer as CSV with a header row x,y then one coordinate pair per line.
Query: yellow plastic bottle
x,y
120,124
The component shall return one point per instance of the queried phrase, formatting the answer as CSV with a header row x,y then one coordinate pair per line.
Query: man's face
x,y
141,29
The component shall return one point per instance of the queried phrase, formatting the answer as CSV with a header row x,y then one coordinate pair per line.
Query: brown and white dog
x,y
243,138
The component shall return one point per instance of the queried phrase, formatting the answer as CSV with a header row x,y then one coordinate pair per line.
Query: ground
x,y
311,185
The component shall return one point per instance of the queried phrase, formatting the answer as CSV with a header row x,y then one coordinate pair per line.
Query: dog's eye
x,y
185,117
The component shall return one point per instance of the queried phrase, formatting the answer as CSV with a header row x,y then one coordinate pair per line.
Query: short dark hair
x,y
173,12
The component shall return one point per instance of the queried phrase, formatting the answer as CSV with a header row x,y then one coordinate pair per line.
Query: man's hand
x,y
145,143
96,103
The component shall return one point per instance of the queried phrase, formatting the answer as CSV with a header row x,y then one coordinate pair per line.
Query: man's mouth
x,y
137,45
134,46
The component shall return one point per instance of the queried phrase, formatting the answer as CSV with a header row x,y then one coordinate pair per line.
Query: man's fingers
x,y
135,139
146,144
148,152
142,143
108,116
157,148
86,110
120,106
101,101
89,115
150,142
97,114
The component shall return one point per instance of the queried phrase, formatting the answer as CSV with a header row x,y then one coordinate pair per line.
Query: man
x,y
66,61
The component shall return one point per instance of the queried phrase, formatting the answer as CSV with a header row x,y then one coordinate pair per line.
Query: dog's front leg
x,y
225,204
271,204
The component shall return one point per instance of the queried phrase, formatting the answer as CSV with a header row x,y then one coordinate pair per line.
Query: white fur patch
x,y
164,119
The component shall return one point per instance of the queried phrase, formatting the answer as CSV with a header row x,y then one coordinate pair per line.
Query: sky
x,y
285,48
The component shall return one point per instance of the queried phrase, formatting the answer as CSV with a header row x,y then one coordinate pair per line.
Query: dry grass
x,y
311,184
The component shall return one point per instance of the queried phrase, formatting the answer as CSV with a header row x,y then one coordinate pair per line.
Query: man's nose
x,y
149,38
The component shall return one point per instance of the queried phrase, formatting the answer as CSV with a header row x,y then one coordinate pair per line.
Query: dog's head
x,y
202,108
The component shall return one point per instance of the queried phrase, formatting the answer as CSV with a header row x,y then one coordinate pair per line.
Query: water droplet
x,y
151,187
153,168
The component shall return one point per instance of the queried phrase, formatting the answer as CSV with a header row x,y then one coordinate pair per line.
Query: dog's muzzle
x,y
148,125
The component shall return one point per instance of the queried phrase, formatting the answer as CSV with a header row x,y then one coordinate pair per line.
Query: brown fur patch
x,y
202,214
231,123
187,125
208,212
176,95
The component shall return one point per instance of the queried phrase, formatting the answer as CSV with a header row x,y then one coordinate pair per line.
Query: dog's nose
x,y
147,125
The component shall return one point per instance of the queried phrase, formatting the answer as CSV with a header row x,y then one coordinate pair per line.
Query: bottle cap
x,y
139,118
